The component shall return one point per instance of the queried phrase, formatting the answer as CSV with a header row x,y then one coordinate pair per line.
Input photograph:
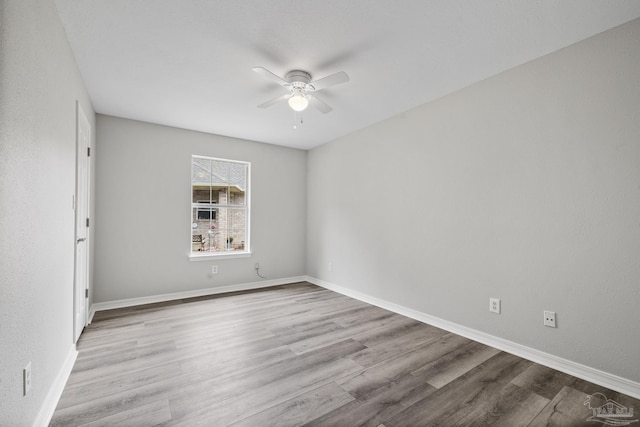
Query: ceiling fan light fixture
x,y
298,102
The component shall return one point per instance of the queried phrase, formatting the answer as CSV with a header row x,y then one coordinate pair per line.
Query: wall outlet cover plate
x,y
550,319
494,305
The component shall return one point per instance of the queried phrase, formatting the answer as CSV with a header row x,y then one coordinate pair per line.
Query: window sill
x,y
208,256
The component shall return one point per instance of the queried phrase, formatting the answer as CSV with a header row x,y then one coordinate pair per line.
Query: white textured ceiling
x,y
187,63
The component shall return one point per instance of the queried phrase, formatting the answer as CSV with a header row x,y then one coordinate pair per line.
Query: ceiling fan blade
x,y
318,104
333,79
274,100
268,74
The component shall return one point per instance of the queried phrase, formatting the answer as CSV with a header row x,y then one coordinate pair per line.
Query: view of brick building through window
x,y
219,205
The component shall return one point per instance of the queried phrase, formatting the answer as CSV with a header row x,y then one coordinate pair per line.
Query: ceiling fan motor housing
x,y
298,78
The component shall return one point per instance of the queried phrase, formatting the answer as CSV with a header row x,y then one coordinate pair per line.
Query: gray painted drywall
x,y
39,86
524,187
142,220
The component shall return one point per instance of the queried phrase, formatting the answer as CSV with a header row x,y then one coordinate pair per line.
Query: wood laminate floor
x,y
302,355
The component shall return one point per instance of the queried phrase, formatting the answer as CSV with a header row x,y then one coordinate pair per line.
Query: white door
x,y
81,277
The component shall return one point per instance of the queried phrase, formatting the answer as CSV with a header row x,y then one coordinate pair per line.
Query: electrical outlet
x,y
214,269
330,266
257,267
26,379
494,305
550,319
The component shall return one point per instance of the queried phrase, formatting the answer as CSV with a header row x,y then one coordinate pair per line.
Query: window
x,y
219,207
206,213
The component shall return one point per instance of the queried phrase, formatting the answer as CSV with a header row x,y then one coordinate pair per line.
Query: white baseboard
x,y
53,396
596,376
109,305
92,312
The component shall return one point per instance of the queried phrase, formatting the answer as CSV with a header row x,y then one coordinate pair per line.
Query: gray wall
x,y
524,187
143,178
39,85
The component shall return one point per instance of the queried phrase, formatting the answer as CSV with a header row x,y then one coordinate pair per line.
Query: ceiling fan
x,y
302,89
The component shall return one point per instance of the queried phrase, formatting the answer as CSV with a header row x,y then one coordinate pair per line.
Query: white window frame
x,y
207,256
